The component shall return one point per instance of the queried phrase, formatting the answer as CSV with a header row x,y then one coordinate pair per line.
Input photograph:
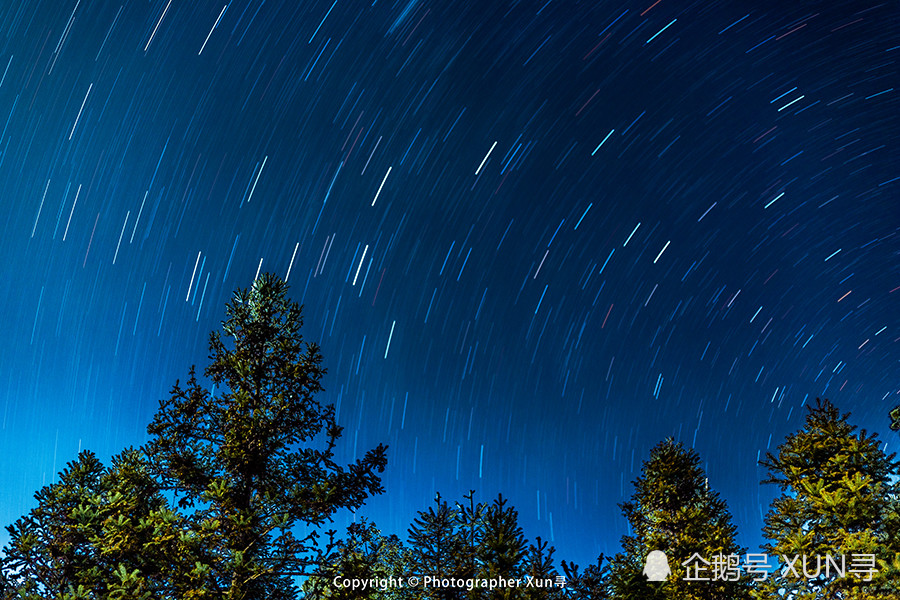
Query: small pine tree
x,y
590,584
501,549
538,564
673,510
838,498
364,555
470,521
438,548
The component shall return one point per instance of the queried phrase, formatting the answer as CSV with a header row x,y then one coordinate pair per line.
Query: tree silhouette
x,y
673,510
538,565
501,549
439,548
838,498
364,555
590,584
244,456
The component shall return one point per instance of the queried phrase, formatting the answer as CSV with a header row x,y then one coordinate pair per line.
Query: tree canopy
x,y
673,510
839,498
229,496
243,456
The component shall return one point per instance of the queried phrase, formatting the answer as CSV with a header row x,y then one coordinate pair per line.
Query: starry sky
x,y
532,239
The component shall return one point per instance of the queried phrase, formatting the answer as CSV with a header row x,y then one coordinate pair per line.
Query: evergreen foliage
x,y
590,584
471,543
839,497
673,510
364,555
538,564
501,548
101,532
439,547
249,466
245,460
227,499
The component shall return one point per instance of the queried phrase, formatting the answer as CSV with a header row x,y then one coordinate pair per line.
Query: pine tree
x,y
673,510
501,549
470,521
590,584
50,548
364,555
254,456
100,532
538,564
439,548
246,468
838,498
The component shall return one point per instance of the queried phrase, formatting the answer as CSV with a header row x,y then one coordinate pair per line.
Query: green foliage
x,y
538,564
472,542
99,533
501,548
227,499
837,498
590,584
673,510
50,547
364,555
440,548
248,460
245,468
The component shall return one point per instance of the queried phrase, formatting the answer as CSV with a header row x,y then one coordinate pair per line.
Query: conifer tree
x,y
590,584
838,498
50,547
538,564
501,549
470,521
673,510
101,533
254,456
365,555
249,464
438,548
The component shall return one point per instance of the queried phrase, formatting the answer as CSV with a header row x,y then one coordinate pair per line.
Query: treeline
x,y
232,495
832,533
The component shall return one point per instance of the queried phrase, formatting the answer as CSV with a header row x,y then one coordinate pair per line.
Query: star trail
x,y
532,239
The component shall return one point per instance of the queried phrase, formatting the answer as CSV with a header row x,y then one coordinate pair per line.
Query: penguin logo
x,y
657,566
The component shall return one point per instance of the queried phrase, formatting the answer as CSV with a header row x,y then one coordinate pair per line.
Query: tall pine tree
x,y
673,510
838,498
254,457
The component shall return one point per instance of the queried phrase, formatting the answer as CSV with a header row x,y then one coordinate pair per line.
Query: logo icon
x,y
657,566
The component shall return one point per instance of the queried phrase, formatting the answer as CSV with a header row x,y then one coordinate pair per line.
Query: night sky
x,y
532,239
